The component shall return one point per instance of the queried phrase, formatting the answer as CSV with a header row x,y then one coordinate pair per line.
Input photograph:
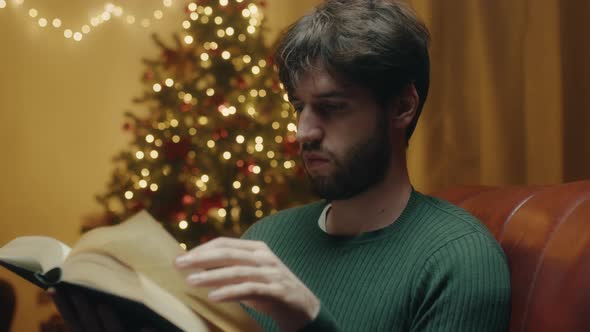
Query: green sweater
x,y
436,268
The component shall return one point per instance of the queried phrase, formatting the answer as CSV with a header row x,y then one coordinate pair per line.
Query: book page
x,y
144,245
34,253
106,274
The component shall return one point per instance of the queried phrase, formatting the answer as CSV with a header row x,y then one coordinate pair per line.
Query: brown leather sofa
x,y
545,233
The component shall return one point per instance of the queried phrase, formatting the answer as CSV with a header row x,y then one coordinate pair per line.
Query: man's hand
x,y
249,272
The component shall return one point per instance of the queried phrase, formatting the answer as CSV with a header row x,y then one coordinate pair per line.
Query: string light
x,y
110,11
183,224
237,185
129,194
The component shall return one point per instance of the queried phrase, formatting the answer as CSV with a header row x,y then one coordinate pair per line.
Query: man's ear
x,y
406,106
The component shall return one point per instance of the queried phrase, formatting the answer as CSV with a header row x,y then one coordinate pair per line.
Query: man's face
x,y
343,134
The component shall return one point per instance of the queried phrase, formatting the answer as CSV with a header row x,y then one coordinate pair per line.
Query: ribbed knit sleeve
x,y
465,286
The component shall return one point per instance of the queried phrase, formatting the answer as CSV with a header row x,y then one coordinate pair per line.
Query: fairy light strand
x,y
110,12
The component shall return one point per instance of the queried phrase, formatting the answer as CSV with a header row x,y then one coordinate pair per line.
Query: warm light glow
x,y
174,123
182,245
145,172
192,6
188,40
270,154
175,138
226,155
208,10
276,125
211,144
186,24
292,127
139,155
154,154
223,2
229,31
237,185
246,12
279,139
157,87
154,187
143,183
220,33
251,29
130,19
106,16
203,120
194,16
33,12
255,189
287,164
240,139
254,93
226,55
149,138
56,22
167,3
2,4
256,169
262,93
205,178
192,131
259,147
129,194
210,92
187,98
262,63
68,33
259,140
259,214
85,29
242,37
218,20
77,36
183,224
222,213
255,70
169,82
246,58
158,14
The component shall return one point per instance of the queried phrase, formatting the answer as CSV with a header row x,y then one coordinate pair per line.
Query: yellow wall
x,y
61,112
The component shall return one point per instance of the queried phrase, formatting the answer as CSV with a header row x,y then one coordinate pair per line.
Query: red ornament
x,y
148,75
175,151
127,126
188,200
184,107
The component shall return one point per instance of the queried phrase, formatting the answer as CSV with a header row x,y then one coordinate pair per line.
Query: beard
x,y
361,166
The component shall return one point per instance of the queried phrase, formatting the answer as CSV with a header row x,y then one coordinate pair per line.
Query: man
x,y
375,255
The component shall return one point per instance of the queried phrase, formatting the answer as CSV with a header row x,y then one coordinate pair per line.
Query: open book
x,y
129,266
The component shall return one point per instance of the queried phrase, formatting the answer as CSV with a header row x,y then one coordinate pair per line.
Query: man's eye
x,y
330,107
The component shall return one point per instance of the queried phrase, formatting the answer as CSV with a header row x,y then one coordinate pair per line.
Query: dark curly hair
x,y
378,44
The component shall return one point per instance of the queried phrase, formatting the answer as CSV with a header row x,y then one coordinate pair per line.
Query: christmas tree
x,y
216,150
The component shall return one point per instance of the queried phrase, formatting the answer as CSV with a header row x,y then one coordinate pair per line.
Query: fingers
x,y
220,257
233,275
248,291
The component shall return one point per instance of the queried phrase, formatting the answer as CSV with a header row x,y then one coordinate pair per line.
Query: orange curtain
x,y
510,93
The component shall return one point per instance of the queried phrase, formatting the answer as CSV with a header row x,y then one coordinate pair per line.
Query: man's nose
x,y
309,127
